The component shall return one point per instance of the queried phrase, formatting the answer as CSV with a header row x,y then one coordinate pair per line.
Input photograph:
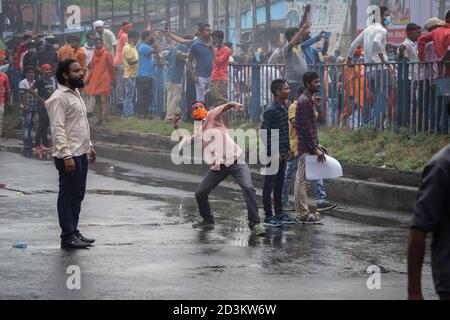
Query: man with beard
x,y
72,145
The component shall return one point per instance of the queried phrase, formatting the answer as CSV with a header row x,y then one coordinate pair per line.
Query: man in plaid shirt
x,y
276,118
308,144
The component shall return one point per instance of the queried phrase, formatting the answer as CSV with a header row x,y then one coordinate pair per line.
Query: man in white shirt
x,y
72,145
409,73
374,40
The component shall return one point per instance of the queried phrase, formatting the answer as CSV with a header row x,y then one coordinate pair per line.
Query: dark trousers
x,y
241,174
72,189
274,184
41,133
144,93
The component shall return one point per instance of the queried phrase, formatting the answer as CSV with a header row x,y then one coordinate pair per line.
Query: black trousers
x,y
274,184
72,189
42,131
144,93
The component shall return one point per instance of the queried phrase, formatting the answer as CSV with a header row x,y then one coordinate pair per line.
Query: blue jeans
x,y
27,127
380,82
291,171
128,104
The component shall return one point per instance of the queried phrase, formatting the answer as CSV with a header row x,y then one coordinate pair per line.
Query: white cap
x,y
98,23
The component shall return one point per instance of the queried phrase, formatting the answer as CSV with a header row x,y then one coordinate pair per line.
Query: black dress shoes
x,y
87,240
74,243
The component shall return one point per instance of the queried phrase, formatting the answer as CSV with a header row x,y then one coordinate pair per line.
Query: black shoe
x,y
74,243
87,240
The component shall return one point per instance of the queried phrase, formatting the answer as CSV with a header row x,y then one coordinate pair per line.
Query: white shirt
x,y
69,123
374,40
413,53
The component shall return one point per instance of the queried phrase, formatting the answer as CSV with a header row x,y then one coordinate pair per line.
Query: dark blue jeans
x,y
274,184
72,189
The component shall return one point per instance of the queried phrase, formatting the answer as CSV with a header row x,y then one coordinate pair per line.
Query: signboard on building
x,y
326,15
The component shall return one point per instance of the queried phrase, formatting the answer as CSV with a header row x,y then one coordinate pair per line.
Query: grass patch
x,y
403,151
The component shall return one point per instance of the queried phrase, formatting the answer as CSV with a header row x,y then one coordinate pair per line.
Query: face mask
x,y
388,21
91,43
199,114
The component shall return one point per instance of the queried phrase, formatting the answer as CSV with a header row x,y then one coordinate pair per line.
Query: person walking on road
x,y
72,147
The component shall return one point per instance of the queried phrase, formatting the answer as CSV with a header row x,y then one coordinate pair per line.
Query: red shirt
x,y
4,87
220,63
441,39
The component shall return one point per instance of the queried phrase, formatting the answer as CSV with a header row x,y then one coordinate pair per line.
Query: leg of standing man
x,y
291,171
120,90
72,188
273,184
2,114
201,87
130,88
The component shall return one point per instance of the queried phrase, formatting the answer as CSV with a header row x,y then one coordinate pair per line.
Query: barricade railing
x,y
400,95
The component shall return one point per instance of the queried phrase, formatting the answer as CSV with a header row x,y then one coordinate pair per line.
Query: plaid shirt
x,y
305,125
276,117
31,101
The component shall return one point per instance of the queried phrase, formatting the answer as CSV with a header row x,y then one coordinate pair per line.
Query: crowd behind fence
x,y
401,95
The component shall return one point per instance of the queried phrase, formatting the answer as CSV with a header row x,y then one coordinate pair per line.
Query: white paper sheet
x,y
315,170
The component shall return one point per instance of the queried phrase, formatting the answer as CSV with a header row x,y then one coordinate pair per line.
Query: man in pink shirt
x,y
219,77
224,155
118,64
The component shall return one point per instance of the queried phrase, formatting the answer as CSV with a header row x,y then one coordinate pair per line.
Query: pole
x,y
145,14
442,9
237,21
130,7
254,24
112,14
49,27
168,12
227,20
181,15
96,9
354,18
269,25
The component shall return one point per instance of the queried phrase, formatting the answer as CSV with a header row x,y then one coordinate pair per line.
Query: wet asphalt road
x,y
147,249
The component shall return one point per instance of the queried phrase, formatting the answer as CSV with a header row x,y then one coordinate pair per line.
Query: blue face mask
x,y
388,21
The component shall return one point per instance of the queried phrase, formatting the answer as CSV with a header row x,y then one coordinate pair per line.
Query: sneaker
x,y
202,223
325,206
288,206
38,149
258,230
272,222
310,218
286,220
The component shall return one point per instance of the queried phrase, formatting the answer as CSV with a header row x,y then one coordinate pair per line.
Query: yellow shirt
x,y
129,52
293,139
